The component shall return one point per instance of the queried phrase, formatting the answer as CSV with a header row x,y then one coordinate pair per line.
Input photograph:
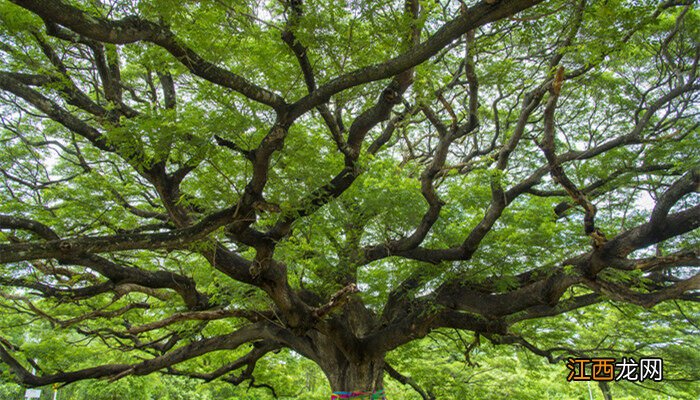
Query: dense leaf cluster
x,y
283,198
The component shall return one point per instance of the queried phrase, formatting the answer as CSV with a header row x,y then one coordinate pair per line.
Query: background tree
x,y
192,188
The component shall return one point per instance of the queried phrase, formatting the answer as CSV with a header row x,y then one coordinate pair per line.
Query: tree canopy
x,y
243,192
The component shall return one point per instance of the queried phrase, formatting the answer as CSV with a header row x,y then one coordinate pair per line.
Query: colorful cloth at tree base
x,y
378,395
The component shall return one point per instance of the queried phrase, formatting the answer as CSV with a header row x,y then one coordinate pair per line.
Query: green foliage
x,y
622,61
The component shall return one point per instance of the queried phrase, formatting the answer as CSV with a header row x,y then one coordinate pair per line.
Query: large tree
x,y
182,178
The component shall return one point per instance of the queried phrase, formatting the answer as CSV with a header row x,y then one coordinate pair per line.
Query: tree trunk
x,y
358,373
356,377
350,364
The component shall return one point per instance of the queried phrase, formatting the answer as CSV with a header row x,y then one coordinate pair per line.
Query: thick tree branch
x,y
558,174
134,29
53,111
690,182
66,248
117,371
260,349
476,16
91,315
117,274
618,292
209,315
